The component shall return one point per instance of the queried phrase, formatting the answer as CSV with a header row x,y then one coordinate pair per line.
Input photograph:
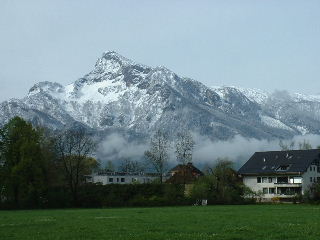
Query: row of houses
x,y
180,174
274,174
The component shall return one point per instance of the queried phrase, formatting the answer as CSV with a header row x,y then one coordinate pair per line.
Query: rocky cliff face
x,y
121,95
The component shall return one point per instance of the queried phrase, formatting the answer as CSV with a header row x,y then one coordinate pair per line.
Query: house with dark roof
x,y
184,174
281,174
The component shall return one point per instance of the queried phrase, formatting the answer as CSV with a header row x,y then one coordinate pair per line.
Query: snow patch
x,y
302,129
255,95
275,123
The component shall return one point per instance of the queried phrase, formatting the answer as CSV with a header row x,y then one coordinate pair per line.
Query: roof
x,y
184,174
189,166
280,162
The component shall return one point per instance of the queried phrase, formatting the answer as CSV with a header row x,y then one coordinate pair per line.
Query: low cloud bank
x,y
116,147
239,149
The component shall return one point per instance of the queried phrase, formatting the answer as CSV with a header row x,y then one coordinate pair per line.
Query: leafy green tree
x,y
221,185
312,194
22,166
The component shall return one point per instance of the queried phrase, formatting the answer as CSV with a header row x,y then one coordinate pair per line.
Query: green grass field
x,y
211,222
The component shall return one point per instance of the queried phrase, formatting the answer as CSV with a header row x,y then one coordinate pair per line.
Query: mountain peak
x,y
111,62
119,94
112,55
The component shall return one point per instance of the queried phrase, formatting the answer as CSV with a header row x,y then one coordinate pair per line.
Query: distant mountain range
x,y
119,95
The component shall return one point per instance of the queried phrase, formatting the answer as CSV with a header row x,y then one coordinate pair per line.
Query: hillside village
x,y
272,176
41,169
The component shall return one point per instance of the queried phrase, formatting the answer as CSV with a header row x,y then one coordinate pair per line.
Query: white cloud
x,y
116,147
238,149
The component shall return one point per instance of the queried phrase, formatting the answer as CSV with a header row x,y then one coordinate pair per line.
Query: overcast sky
x,y
258,44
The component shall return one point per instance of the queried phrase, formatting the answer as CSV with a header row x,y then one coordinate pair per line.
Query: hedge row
x,y
114,195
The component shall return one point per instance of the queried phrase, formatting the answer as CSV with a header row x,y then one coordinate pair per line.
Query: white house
x,y
281,174
107,177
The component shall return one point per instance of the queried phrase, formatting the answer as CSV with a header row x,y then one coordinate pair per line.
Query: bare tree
x,y
184,147
131,166
158,155
286,146
109,166
305,145
74,148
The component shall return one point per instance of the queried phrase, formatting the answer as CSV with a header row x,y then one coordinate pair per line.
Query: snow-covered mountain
x,y
121,95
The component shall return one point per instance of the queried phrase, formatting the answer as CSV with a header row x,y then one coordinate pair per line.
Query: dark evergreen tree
x,y
22,166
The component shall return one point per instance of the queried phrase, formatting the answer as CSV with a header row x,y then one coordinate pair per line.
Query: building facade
x,y
281,175
108,177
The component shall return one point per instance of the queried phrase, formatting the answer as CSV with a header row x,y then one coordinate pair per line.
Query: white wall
x,y
306,177
128,179
251,182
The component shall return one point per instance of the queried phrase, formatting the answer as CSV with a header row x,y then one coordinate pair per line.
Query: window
x,y
318,179
270,179
134,179
111,179
283,168
295,179
272,190
264,179
258,179
265,190
310,179
123,180
117,179
314,169
310,168
291,180
282,179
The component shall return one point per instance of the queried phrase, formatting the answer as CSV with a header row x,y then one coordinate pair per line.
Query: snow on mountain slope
x,y
275,123
121,95
254,95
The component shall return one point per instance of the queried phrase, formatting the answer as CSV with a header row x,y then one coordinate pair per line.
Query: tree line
x,y
35,160
43,168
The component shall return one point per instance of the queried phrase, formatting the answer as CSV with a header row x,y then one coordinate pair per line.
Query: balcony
x,y
288,191
287,184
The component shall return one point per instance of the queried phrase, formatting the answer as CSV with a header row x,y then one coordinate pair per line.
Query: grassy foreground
x,y
210,222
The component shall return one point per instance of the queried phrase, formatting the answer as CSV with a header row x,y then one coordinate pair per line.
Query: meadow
x,y
284,221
